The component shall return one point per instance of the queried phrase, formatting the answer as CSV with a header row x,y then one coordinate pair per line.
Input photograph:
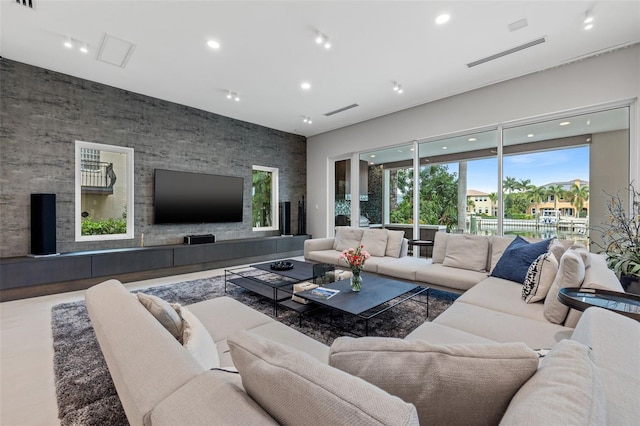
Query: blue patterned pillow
x,y
517,257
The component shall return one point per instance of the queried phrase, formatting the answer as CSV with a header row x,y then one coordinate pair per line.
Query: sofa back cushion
x,y
448,384
597,275
163,312
466,251
566,389
375,241
439,246
347,237
571,273
498,245
295,388
394,243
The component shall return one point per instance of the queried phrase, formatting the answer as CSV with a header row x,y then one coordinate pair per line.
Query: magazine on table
x,y
325,293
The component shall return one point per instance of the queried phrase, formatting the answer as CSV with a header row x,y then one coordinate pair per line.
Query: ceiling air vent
x,y
339,110
26,3
507,52
115,51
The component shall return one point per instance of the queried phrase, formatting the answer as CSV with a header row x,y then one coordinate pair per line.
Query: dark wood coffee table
x,y
378,295
626,304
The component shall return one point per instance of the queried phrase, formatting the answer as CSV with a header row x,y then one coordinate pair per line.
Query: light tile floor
x,y
27,391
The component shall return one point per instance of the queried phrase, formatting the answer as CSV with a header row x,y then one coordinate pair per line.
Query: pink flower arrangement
x,y
355,258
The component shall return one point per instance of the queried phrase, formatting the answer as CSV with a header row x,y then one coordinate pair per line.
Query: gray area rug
x,y
85,392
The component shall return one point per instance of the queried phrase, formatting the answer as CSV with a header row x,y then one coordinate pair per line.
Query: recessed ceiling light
x,y
305,85
372,156
84,48
68,44
213,44
588,122
565,123
472,139
530,135
444,147
588,27
443,19
588,17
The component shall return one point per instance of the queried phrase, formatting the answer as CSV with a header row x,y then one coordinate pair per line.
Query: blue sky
x,y
541,167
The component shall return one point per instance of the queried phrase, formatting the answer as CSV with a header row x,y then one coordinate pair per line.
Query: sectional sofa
x,y
219,361
170,371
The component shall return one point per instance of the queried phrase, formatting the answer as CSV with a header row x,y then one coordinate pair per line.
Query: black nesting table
x,y
626,304
273,284
378,295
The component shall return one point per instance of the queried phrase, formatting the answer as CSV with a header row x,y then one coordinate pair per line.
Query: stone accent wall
x,y
43,113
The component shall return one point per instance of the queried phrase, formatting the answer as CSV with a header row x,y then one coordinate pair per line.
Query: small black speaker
x,y
43,224
285,218
199,239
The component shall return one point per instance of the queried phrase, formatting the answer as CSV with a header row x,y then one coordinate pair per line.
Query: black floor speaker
x,y
285,218
43,224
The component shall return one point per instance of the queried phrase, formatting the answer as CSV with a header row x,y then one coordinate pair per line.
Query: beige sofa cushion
x,y
213,397
539,278
454,278
295,388
570,274
448,384
565,390
394,243
498,245
503,327
347,237
439,246
613,337
375,241
598,275
467,252
163,312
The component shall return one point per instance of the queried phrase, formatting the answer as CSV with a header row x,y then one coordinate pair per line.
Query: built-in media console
x,y
22,277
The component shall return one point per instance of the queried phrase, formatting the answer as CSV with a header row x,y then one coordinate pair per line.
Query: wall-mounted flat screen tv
x,y
184,197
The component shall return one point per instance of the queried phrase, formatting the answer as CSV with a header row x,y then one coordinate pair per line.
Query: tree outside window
x,y
264,198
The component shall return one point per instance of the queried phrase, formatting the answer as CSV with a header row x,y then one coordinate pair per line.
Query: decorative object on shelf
x,y
281,266
620,236
355,258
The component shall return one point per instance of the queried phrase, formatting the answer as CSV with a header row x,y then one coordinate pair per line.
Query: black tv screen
x,y
183,197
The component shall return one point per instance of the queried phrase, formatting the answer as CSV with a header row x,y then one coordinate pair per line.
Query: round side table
x,y
626,304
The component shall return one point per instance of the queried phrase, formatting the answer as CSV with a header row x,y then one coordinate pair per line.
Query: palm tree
x,y
523,185
510,184
494,199
556,191
578,194
537,193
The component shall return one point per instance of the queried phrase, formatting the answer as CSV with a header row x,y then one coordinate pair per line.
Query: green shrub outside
x,y
104,226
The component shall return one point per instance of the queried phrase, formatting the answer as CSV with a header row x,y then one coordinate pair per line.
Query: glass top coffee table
x,y
626,304
378,295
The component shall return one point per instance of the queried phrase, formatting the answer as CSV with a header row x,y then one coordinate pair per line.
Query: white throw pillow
x,y
539,278
347,237
197,340
163,312
375,241
394,243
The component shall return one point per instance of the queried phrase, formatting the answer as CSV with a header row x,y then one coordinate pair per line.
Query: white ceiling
x,y
268,48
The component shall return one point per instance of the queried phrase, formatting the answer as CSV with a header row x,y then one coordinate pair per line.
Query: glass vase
x,y
356,281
